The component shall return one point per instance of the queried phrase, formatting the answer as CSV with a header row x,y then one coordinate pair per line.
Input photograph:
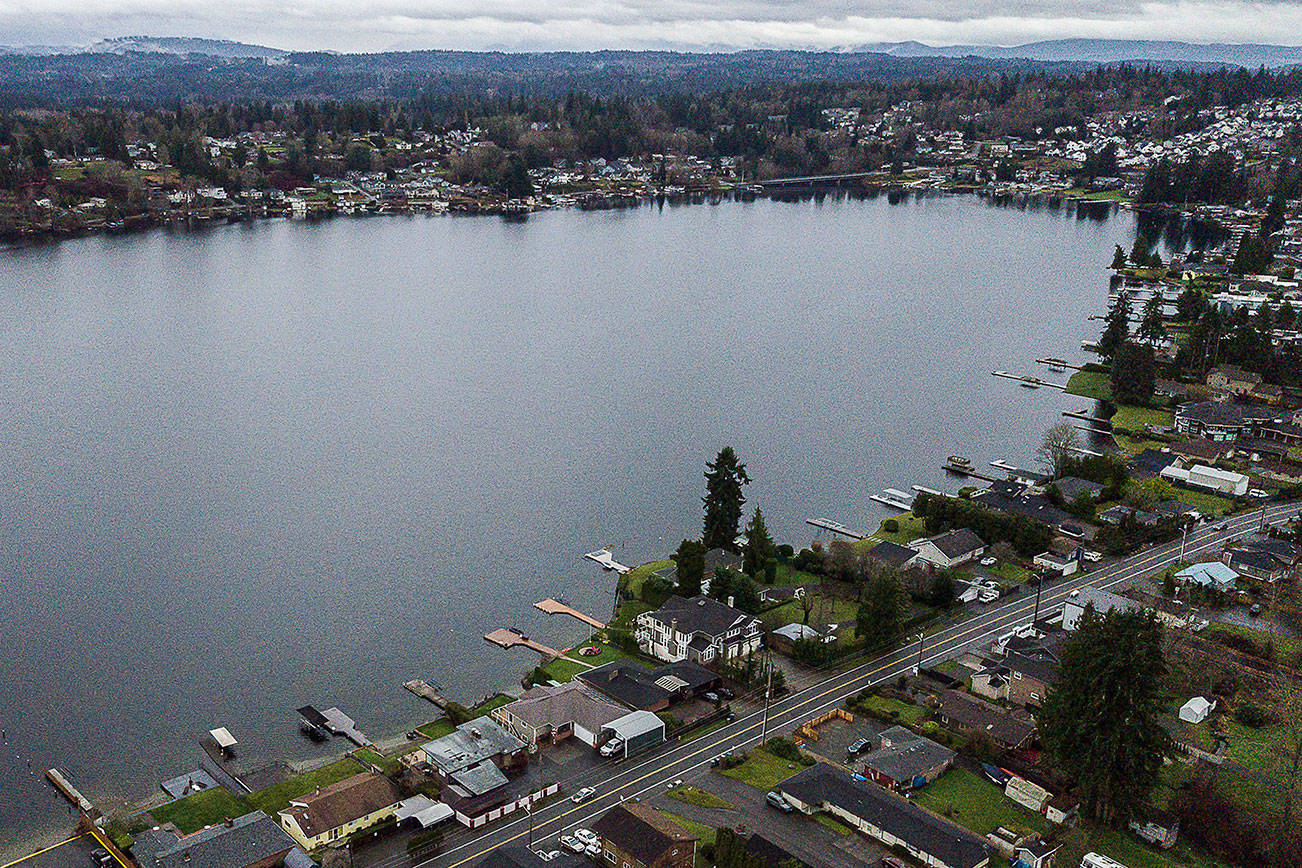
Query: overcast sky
x,y
371,25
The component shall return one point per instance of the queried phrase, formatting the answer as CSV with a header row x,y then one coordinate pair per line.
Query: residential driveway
x,y
837,735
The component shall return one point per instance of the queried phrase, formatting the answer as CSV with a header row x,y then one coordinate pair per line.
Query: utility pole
x,y
1184,537
529,808
1039,589
768,693
922,641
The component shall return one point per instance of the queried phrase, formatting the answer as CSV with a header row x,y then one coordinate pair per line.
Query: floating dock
x,y
967,470
555,607
426,692
1104,424
504,638
834,527
1059,363
607,561
925,490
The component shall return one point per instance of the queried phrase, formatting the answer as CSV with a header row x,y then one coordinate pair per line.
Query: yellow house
x,y
333,813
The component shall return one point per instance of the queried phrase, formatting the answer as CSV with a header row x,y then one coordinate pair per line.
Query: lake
x,y
252,467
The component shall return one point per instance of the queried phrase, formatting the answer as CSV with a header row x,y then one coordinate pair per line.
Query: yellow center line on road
x,y
1121,573
43,850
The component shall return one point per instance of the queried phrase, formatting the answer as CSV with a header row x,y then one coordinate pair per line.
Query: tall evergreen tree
x,y
759,545
723,500
1102,720
1152,328
1134,374
690,567
1116,326
881,616
1118,259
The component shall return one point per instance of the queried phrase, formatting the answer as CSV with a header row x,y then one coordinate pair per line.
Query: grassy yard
x,y
1286,650
700,830
277,797
827,610
629,611
1135,418
634,578
763,770
1125,848
389,765
697,796
905,712
832,823
911,528
1091,384
201,809
976,804
436,729
789,575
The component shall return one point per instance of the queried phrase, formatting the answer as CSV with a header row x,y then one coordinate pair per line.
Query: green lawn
x,y
436,729
827,610
763,770
1285,649
201,809
628,611
634,578
277,797
1011,572
1135,418
789,575
1091,384
700,830
976,804
697,796
388,765
905,712
1125,848
911,528
832,823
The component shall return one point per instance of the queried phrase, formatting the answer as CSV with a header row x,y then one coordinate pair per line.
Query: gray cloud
x,y
371,25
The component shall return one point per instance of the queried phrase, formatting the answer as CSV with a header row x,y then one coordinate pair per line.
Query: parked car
x,y
893,862
587,836
774,800
989,562
1092,556
857,747
594,849
583,795
714,761
726,693
101,856
612,747
548,855
712,697
574,845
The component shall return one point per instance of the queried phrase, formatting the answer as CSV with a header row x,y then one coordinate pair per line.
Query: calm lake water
x,y
259,466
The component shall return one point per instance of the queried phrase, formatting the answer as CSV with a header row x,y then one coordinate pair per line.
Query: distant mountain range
x,y
1093,51
1106,51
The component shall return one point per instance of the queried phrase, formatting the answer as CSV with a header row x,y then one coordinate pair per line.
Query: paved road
x,y
640,776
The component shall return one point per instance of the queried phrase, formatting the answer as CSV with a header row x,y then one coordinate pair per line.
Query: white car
x,y
612,747
594,850
675,783
587,836
1092,557
583,795
548,856
989,562
574,845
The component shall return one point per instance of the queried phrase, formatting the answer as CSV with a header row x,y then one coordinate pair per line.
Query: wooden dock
x,y
894,498
1059,363
967,470
555,607
425,691
834,527
607,561
504,638
1104,424
69,792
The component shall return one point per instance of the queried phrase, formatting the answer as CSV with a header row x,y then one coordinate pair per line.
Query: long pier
x,y
1027,380
341,724
504,638
834,527
894,498
555,607
1104,424
64,786
1059,363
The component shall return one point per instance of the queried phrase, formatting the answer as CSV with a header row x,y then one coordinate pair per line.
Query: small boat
x,y
959,460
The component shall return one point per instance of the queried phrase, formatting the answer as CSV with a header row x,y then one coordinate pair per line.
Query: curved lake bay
x,y
253,467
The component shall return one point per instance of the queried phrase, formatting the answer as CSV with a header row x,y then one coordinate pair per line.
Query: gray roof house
x,y
906,759
1071,487
950,548
253,839
700,629
885,816
472,755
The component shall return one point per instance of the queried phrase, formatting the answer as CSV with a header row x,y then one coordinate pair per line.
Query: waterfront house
x,y
891,554
650,689
1233,379
634,835
905,760
251,841
949,549
699,629
884,816
471,758
555,713
1072,488
335,812
1225,482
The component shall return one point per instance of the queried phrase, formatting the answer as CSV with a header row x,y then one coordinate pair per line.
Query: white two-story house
x,y
699,629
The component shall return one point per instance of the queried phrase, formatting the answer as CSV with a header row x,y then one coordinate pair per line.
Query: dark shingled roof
x,y
626,682
523,857
891,554
343,802
700,615
641,831
825,784
957,542
249,839
771,855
